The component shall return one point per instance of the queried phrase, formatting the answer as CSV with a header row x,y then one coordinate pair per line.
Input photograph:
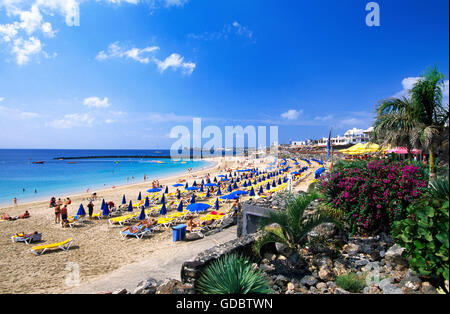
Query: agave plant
x,y
293,225
233,274
439,188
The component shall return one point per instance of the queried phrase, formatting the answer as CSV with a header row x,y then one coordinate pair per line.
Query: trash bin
x,y
179,232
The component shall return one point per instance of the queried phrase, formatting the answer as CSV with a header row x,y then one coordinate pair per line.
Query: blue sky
x,y
133,69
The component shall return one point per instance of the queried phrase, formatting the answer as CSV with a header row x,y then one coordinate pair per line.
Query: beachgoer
x,y
53,202
236,207
26,214
91,209
110,204
35,190
59,202
133,229
57,214
15,201
191,224
64,213
68,201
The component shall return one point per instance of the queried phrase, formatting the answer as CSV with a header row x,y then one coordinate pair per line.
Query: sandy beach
x,y
97,248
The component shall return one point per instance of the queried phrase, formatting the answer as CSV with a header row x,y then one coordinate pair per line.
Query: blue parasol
x,y
230,196
163,199
154,190
147,202
81,211
192,188
229,188
193,199
177,185
139,196
217,203
166,190
163,210
252,192
105,210
198,207
130,207
261,190
180,206
218,192
142,214
124,201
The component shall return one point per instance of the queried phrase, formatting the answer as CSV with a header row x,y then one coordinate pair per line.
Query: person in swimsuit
x,y
64,215
57,214
91,209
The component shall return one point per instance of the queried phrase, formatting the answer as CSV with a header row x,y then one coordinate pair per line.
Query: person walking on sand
x,y
64,215
15,201
91,209
57,213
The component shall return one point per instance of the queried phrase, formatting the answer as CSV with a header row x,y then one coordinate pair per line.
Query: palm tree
x,y
419,120
394,122
431,115
293,225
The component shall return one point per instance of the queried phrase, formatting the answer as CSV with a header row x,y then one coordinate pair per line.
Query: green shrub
x,y
351,282
233,274
424,235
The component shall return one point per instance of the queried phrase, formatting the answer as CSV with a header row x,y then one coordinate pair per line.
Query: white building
x,y
351,137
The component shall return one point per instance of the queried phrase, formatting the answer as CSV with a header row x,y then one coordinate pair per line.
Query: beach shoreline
x,y
213,163
98,251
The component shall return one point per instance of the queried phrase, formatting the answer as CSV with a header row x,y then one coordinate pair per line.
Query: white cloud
x,y
72,120
408,84
24,49
13,113
2,98
234,28
175,61
96,102
242,30
324,118
177,3
291,114
155,117
116,51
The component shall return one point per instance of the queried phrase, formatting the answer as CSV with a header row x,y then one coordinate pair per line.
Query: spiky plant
x,y
439,189
293,225
233,274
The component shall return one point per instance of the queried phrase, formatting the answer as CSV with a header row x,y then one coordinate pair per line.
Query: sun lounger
x,y
74,220
122,219
39,250
27,238
165,222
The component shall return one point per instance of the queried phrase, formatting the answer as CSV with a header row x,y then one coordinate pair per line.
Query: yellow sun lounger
x,y
121,220
65,245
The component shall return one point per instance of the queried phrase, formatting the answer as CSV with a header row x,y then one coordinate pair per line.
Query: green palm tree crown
x,y
419,120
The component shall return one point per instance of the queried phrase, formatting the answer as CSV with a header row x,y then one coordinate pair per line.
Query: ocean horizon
x,y
27,181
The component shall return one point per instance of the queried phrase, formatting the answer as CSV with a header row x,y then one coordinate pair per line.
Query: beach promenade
x,y
164,263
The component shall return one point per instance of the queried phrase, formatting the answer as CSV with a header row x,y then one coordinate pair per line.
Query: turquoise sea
x,y
27,181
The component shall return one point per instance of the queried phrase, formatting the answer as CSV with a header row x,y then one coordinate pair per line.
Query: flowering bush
x,y
375,194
